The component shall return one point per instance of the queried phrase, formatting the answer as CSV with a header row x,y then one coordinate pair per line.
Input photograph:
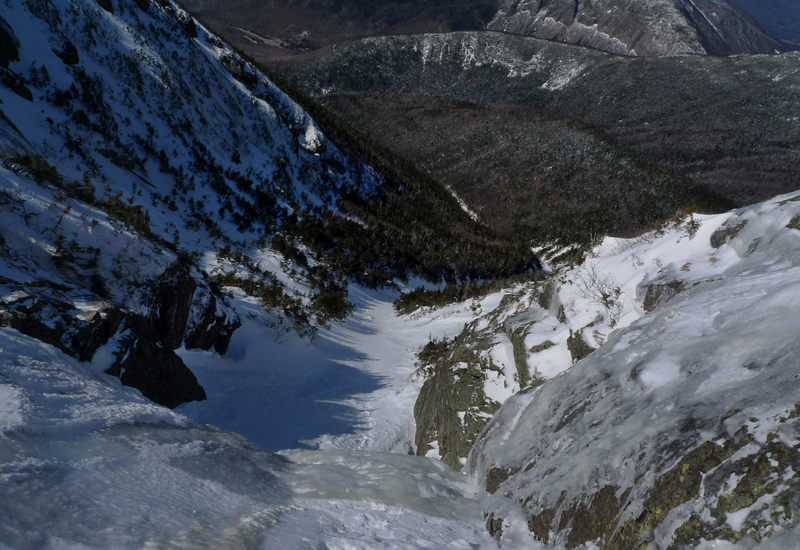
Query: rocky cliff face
x,y
59,292
647,28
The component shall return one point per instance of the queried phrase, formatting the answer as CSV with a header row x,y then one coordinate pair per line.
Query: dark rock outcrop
x,y
452,408
212,329
106,5
68,53
238,69
13,82
171,301
577,346
58,323
9,44
494,526
726,233
187,23
654,294
157,372
145,356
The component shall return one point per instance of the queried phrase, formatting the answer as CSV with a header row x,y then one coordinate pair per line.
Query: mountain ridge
x,y
652,28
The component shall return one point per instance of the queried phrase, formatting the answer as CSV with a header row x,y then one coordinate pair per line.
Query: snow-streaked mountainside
x,y
643,394
646,28
681,427
780,17
135,142
146,99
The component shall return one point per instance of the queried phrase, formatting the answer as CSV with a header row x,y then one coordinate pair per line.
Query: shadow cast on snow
x,y
282,394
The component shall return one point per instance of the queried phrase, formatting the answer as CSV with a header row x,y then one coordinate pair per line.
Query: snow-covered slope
x,y
682,427
134,143
143,99
85,463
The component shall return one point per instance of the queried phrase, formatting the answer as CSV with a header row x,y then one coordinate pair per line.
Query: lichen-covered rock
x,y
494,526
504,350
654,294
452,407
725,233
682,428
578,348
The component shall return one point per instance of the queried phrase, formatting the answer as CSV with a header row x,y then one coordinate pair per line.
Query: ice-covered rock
x,y
683,427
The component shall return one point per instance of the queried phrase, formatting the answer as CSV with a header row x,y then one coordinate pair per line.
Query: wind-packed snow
x,y
86,463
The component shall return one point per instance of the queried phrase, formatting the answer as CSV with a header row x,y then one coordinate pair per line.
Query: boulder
x,y
654,294
577,346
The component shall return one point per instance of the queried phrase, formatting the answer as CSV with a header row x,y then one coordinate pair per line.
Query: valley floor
x,y
352,387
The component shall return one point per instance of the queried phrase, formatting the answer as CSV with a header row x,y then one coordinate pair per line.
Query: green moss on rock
x,y
577,346
593,521
725,233
517,337
539,524
456,372
538,348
